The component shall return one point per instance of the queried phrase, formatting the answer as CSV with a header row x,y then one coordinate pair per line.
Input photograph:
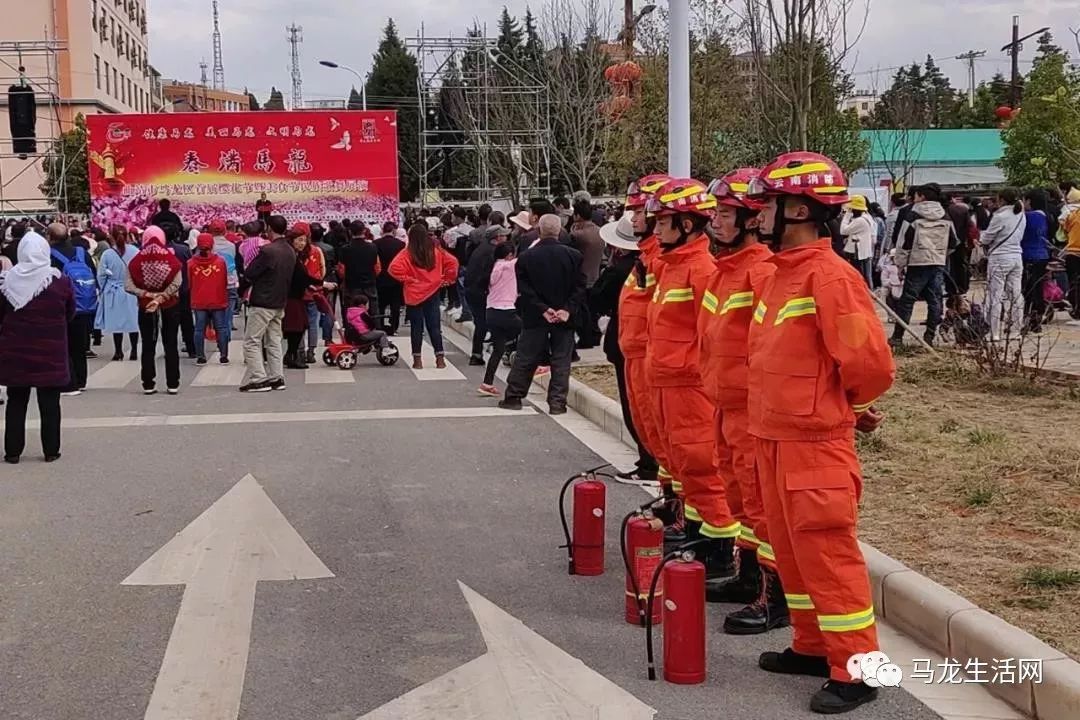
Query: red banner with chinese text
x,y
312,165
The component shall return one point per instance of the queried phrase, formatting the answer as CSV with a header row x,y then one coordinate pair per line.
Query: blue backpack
x,y
82,278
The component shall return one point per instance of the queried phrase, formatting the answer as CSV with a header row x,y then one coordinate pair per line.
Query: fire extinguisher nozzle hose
x,y
674,555
629,570
562,518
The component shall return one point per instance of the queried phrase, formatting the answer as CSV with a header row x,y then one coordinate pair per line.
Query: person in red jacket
x,y
423,270
209,276
684,413
818,360
726,314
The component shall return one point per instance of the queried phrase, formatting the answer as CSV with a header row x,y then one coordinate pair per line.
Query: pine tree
x,y
276,101
253,102
355,101
67,168
532,56
510,35
1042,144
392,85
942,101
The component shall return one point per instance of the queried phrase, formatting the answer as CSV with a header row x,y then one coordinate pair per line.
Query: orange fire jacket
x,y
673,357
634,303
818,352
727,310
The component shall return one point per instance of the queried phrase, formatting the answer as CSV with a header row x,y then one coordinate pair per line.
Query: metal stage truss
x,y
21,174
484,122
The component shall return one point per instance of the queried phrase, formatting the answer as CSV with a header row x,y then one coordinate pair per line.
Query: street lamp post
x,y
679,89
630,22
363,85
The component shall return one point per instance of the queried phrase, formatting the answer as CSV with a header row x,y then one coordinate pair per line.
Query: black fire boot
x,y
790,662
837,697
719,558
767,612
744,587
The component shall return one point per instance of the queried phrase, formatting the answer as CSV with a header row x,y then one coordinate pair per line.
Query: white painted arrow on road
x,y
238,541
521,677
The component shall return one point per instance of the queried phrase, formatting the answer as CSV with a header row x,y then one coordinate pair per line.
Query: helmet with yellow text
x,y
642,189
682,199
731,189
808,176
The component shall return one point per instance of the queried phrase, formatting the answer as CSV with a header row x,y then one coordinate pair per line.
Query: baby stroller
x,y
346,353
1056,286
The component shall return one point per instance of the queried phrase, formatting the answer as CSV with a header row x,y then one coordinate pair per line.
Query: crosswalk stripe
x,y
321,374
430,372
216,374
114,375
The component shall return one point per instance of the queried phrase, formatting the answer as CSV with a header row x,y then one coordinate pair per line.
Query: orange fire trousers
x,y
682,413
811,492
735,463
641,412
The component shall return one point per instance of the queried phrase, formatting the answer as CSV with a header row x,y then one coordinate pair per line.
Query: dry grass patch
x,y
975,482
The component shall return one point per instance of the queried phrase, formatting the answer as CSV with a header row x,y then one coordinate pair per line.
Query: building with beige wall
x,y
99,63
189,97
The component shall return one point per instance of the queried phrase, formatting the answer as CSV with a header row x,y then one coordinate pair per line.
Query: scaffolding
x,y
483,118
33,63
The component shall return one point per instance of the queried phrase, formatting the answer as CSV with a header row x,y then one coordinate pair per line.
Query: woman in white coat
x,y
1005,264
860,233
118,311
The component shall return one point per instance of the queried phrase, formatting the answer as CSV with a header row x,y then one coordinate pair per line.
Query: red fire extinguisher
x,y
585,550
642,550
684,618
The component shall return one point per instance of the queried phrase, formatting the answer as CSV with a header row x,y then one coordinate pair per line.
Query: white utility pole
x,y
679,89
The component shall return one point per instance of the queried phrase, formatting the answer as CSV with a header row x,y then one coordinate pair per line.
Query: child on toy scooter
x,y
360,327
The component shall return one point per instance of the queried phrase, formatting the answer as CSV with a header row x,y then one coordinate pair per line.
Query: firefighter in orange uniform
x,y
683,209
819,359
724,326
634,302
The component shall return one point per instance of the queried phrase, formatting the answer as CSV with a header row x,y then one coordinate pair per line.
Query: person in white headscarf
x,y
36,304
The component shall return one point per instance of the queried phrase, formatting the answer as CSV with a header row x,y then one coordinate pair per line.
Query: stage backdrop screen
x,y
312,165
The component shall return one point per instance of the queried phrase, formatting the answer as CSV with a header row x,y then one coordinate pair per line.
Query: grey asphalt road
x,y
399,510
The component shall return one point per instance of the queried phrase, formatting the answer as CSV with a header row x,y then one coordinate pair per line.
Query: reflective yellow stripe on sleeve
x,y
691,513
677,295
710,302
738,300
847,623
765,552
759,312
796,307
859,409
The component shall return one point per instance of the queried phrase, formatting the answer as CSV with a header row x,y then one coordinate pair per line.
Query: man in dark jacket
x,y
80,324
270,275
958,275
551,292
166,215
187,319
360,262
585,238
390,290
478,280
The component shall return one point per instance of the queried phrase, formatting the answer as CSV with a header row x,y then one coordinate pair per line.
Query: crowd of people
x,y
929,247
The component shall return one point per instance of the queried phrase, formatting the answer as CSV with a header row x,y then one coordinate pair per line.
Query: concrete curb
x,y
930,613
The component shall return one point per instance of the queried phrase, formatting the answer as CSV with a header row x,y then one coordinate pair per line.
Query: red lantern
x,y
617,106
1003,113
609,73
631,71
